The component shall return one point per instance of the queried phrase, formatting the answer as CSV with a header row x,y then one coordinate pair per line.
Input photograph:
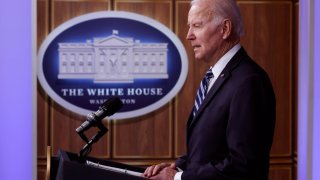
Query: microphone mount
x,y
86,149
108,108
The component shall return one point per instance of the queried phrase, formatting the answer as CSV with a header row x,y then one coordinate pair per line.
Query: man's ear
x,y
226,28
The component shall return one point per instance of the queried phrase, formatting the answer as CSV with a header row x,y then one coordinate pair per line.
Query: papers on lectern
x,y
120,170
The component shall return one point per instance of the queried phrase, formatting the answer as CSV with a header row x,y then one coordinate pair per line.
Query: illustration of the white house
x,y
113,59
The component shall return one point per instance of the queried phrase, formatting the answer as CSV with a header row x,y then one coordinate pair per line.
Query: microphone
x,y
108,108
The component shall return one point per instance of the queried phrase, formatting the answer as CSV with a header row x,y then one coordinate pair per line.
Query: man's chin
x,y
198,56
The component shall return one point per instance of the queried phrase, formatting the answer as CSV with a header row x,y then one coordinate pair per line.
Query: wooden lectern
x,y
68,166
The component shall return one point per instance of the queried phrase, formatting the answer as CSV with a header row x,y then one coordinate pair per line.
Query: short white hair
x,y
226,9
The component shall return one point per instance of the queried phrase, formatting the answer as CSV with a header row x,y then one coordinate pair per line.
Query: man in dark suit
x,y
230,129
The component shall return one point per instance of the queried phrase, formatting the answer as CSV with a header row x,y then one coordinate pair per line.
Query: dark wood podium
x,y
68,166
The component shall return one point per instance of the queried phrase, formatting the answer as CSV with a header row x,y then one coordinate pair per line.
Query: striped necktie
x,y
202,91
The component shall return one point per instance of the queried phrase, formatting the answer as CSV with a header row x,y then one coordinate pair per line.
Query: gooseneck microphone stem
x,y
108,108
88,147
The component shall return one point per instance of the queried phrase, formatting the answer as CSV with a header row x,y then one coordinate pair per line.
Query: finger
x,y
148,171
145,171
158,168
173,165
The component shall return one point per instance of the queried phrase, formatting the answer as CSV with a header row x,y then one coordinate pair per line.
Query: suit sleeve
x,y
181,162
249,134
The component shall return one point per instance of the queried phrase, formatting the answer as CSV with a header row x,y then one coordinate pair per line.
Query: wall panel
x,y
42,97
64,122
268,40
145,137
185,98
280,172
149,136
41,174
160,10
42,123
63,10
64,136
42,20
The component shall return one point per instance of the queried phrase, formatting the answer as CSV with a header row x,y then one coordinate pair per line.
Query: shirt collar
x,y
223,61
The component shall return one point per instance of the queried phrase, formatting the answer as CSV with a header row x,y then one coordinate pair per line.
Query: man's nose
x,y
190,35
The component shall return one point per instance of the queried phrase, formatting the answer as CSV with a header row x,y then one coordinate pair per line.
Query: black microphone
x,y
108,108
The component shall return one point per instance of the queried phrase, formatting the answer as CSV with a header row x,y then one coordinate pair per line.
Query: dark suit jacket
x,y
231,135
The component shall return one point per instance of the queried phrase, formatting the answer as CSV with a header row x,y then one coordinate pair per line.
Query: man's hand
x,y
160,170
165,174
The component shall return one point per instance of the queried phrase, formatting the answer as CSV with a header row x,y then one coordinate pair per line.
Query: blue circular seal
x,y
93,57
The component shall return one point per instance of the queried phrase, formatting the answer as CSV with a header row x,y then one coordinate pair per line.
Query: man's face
x,y
205,36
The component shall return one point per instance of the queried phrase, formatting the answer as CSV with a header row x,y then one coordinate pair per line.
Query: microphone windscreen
x,y
111,106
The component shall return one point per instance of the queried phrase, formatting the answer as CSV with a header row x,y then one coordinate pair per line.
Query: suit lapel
x,y
223,78
216,86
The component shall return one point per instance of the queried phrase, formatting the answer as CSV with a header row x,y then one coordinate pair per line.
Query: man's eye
x,y
197,25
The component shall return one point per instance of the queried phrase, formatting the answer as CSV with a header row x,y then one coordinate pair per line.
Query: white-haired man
x,y
230,129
